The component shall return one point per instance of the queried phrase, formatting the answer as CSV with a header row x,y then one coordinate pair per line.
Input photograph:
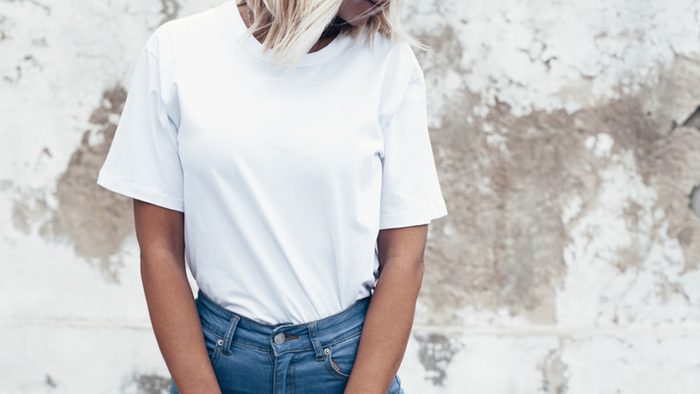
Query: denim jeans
x,y
252,357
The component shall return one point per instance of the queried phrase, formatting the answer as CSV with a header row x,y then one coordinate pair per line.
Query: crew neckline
x,y
254,46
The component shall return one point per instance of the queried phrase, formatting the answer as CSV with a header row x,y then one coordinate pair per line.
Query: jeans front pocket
x,y
214,342
218,331
340,355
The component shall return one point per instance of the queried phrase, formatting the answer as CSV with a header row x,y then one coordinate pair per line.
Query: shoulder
x,y
398,62
191,28
397,52
399,67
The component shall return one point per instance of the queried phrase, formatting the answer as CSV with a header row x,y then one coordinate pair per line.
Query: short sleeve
x,y
411,193
143,160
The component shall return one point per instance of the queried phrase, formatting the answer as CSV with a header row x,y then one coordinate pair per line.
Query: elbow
x,y
419,267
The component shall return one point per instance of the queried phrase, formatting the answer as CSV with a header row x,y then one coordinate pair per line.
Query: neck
x,y
329,33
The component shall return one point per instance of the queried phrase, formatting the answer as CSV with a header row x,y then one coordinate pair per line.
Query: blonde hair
x,y
293,26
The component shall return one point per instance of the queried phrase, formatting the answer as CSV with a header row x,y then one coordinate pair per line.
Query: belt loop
x,y
318,348
230,330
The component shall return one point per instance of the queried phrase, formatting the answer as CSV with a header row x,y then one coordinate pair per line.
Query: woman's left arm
x,y
389,318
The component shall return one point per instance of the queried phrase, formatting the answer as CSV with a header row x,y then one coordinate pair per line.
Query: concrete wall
x,y
568,146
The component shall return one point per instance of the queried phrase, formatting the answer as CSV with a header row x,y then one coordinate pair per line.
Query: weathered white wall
x,y
567,148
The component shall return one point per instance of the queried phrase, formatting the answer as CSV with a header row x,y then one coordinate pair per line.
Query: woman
x,y
285,190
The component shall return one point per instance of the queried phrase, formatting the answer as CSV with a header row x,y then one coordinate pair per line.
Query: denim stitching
x,y
333,366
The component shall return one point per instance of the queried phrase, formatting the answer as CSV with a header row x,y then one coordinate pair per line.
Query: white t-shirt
x,y
284,178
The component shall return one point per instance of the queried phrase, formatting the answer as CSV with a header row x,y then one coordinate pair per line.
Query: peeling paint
x,y
435,354
693,120
169,10
566,135
151,384
554,373
520,208
92,220
694,204
50,382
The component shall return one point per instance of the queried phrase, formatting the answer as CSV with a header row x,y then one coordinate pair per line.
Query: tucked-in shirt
x,y
284,176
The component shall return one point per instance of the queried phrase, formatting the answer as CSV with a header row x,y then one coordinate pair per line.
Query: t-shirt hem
x,y
139,192
413,218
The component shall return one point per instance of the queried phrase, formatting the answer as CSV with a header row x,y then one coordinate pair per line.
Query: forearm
x,y
175,322
387,327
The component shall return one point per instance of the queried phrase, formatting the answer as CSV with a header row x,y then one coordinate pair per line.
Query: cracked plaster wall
x,y
567,136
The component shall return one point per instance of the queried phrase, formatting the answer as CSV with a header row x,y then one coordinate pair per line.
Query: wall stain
x,y
693,120
554,377
152,384
695,207
29,206
169,9
505,235
435,354
50,381
93,220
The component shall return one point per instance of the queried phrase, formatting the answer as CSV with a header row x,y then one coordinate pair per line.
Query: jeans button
x,y
279,338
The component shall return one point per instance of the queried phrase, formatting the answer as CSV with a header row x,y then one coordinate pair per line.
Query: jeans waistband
x,y
284,337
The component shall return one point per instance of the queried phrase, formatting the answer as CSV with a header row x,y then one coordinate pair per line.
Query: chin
x,y
355,21
350,11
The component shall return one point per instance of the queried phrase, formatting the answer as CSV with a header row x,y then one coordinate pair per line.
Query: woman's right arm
x,y
173,314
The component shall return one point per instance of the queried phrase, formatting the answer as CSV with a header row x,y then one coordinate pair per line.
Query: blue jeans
x,y
252,357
